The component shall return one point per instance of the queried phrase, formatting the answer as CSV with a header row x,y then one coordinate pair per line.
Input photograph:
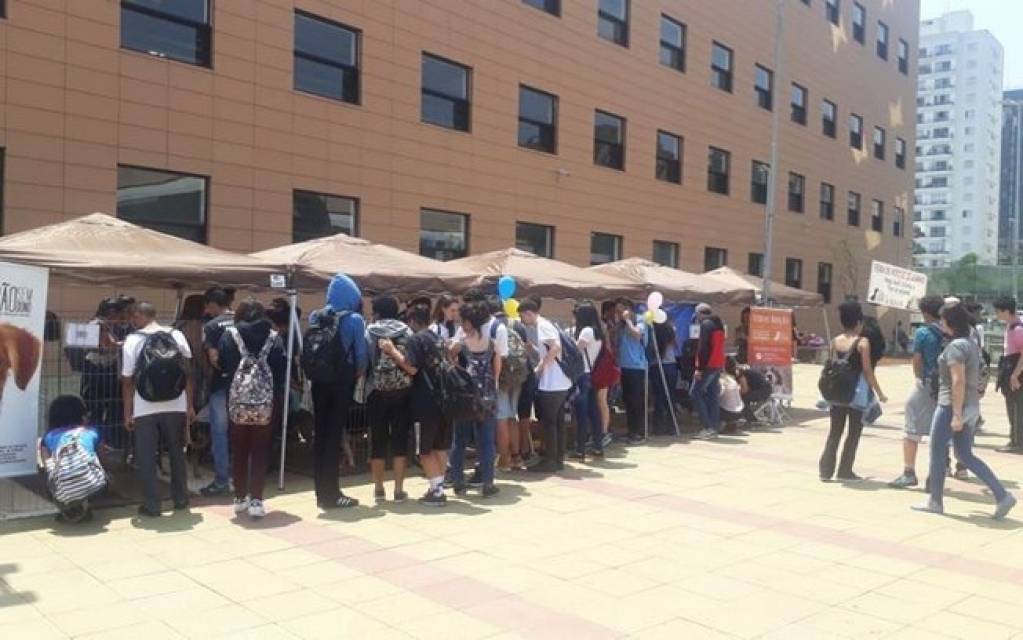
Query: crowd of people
x,y
437,377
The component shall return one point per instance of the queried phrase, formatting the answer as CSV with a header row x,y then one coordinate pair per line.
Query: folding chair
x,y
773,410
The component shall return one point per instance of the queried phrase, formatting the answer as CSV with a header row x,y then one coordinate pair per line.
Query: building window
x,y
856,132
879,143
714,258
882,40
718,162
899,222
877,216
763,86
900,153
666,253
3,14
827,201
326,58
797,192
318,215
669,157
721,67
613,21
859,22
794,273
755,264
443,235
175,30
829,118
853,209
535,238
824,270
760,174
166,201
609,141
903,57
832,11
552,7
799,102
538,120
445,93
673,44
604,248
3,181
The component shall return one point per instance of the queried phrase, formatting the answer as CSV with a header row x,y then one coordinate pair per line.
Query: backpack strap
x,y
265,351
242,351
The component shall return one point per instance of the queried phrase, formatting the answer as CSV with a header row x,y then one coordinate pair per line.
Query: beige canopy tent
x,y
376,268
544,276
99,249
675,284
780,294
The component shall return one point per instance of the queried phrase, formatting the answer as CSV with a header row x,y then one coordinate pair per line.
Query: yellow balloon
x,y
649,316
511,308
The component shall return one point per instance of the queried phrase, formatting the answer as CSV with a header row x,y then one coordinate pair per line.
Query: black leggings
x,y
839,416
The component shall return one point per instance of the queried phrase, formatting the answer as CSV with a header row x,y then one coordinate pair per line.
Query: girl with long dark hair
x,y
589,335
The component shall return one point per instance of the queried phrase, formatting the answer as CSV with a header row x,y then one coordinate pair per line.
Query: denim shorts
x,y
508,403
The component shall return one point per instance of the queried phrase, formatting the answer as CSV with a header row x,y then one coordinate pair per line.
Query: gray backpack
x,y
250,400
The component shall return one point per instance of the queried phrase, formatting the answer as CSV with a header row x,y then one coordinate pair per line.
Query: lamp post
x,y
772,183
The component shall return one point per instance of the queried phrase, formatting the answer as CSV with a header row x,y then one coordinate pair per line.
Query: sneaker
x,y
848,477
475,479
342,502
256,509
214,489
458,488
149,512
434,499
904,481
380,494
241,505
961,473
930,506
489,490
606,441
636,440
706,434
400,496
181,506
1004,506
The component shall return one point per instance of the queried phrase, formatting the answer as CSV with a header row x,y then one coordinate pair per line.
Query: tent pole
x,y
292,337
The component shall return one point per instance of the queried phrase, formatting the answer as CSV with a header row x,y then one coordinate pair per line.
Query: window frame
x,y
759,190
617,249
880,145
827,205
829,128
465,219
877,216
833,11
902,56
755,264
668,163
724,177
722,78
883,43
203,41
355,70
548,231
674,249
545,6
853,214
553,125
439,95
679,50
764,95
597,142
356,206
825,278
900,153
799,113
619,24
856,133
794,265
204,223
709,252
859,27
797,199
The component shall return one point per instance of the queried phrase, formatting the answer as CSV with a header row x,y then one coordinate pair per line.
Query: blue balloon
x,y
506,287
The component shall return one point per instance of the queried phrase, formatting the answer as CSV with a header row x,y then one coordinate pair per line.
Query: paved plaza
x,y
735,538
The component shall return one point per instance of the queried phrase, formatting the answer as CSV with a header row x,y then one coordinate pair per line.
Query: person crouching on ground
x,y
957,413
251,337
68,422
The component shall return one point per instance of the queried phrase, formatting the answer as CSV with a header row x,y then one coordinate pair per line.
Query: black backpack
x,y
839,377
160,373
451,385
323,356
571,360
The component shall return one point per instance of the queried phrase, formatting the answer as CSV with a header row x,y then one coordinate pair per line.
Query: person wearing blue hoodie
x,y
332,400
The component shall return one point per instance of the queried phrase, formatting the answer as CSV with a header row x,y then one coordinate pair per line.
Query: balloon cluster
x,y
506,289
654,313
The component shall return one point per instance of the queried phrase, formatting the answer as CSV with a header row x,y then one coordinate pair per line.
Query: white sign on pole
x,y
22,321
895,287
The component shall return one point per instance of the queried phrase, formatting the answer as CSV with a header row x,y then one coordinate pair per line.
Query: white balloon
x,y
654,301
660,317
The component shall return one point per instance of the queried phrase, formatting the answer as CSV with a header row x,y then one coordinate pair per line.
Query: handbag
x,y
862,395
73,473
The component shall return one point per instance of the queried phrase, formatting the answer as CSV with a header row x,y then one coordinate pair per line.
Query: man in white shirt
x,y
552,389
155,365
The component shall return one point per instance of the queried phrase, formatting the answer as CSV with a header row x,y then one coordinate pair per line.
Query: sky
x,y
1003,18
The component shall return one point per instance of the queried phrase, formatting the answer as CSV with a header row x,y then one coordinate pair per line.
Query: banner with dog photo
x,y
22,321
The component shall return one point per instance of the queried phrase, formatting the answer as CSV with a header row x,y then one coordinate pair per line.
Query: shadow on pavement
x,y
175,522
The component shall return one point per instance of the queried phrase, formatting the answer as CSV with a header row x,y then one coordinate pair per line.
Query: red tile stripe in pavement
x,y
505,610
806,531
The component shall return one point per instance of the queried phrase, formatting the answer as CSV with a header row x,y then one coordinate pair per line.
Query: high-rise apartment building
x,y
958,131
585,130
1009,221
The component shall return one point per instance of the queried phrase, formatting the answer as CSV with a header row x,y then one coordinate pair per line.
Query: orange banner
x,y
770,337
